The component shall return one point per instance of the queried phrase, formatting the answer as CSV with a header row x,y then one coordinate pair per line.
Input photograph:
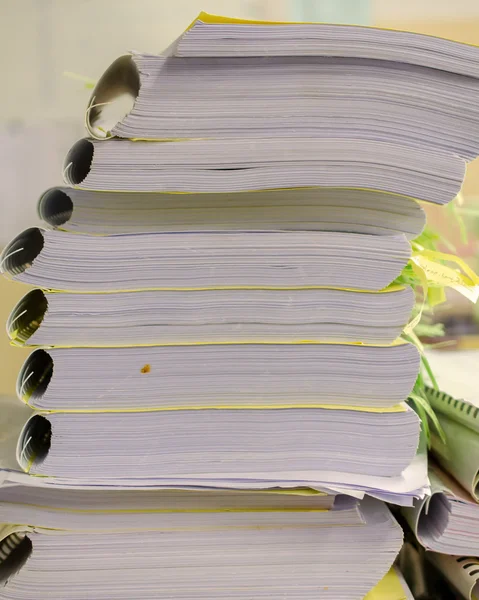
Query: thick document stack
x,y
218,381
239,165
303,209
447,523
223,543
192,545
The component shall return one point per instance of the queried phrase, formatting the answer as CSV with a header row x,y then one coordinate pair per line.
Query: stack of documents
x,y
15,447
240,375
448,521
222,289
302,209
211,35
221,547
447,524
14,416
295,96
268,259
219,378
241,165
280,443
43,318
407,88
126,510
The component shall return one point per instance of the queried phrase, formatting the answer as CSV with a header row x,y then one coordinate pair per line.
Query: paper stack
x,y
217,319
447,523
221,542
186,545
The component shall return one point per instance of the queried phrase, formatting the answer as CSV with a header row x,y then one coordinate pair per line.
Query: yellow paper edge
x,y
47,530
289,342
167,511
397,408
305,187
387,290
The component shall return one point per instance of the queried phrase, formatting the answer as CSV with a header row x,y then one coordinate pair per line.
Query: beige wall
x,y
423,10
44,38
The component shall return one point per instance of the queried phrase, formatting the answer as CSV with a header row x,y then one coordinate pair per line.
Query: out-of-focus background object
x,y
42,109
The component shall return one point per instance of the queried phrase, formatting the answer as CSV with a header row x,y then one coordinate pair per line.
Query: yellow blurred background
x,y
42,109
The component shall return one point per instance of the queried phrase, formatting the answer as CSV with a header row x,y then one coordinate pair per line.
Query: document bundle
x,y
196,546
215,404
446,524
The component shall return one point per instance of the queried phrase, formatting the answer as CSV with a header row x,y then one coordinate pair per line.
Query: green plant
x,y
430,293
